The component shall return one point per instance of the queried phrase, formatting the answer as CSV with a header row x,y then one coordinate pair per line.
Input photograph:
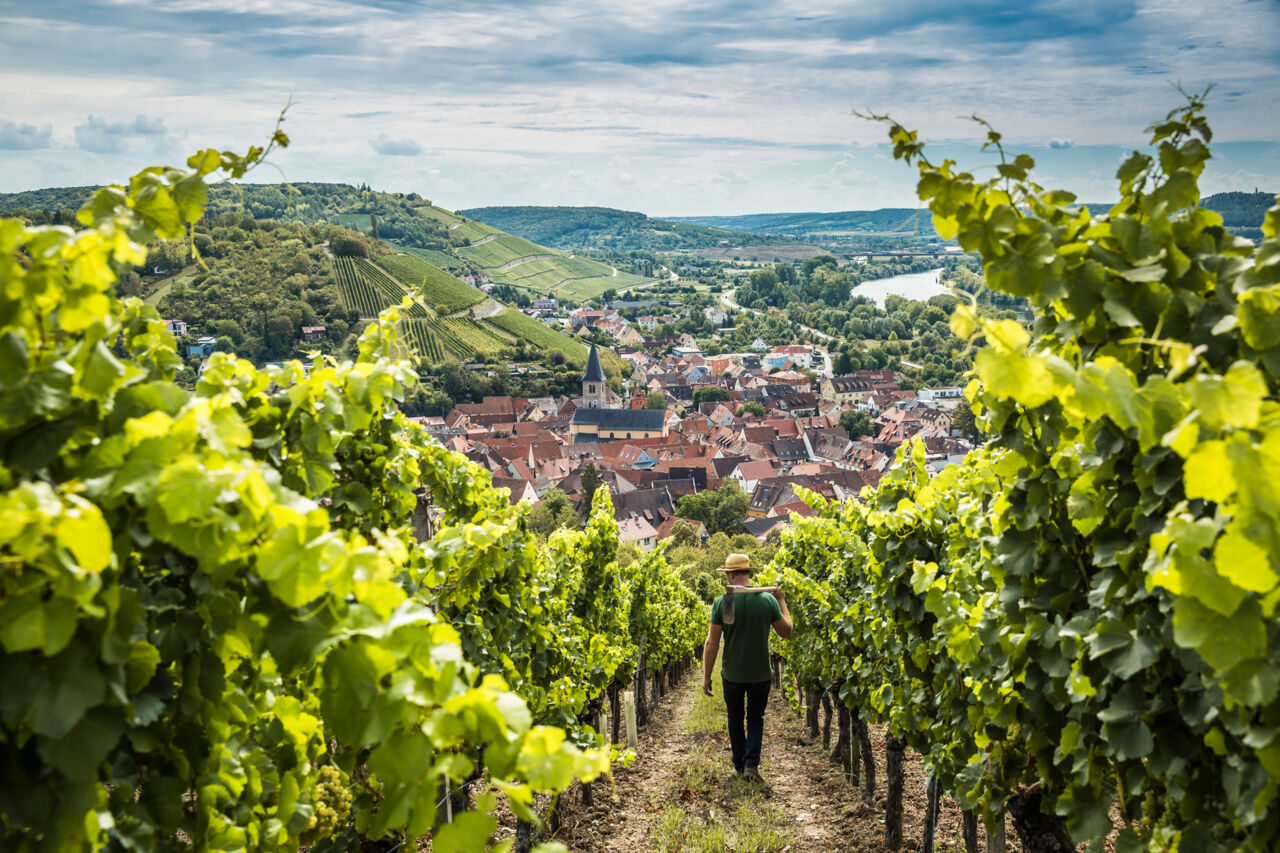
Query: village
x,y
769,420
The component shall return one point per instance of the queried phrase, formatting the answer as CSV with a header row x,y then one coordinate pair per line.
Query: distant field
x,y
542,274
443,260
472,230
539,334
503,250
764,252
439,214
438,289
589,288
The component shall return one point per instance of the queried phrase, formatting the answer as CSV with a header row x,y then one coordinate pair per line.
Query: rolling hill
x,y
605,228
277,263
1239,210
456,244
889,220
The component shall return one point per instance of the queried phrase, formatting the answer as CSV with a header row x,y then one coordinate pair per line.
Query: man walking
x,y
746,673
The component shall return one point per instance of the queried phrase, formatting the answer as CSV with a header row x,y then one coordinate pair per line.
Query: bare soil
x,y
823,812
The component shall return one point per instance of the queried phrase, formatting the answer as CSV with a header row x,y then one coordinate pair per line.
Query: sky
x,y
669,107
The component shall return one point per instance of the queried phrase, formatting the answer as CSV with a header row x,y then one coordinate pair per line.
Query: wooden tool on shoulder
x,y
726,612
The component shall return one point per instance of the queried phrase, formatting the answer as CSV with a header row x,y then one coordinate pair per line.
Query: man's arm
x,y
710,649
783,625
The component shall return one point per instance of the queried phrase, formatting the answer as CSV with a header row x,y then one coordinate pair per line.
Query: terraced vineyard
x,y
424,340
358,294
467,337
498,332
388,286
539,334
438,289
503,250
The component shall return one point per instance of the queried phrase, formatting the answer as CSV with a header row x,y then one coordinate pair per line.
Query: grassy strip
x,y
703,807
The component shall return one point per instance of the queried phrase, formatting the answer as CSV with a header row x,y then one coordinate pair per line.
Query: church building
x,y
594,421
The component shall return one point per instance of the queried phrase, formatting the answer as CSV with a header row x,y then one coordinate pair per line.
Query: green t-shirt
x,y
746,641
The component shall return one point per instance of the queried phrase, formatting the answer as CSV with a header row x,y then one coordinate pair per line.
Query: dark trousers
x,y
746,745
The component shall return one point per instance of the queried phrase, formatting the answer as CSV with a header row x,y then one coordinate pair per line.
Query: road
x,y
726,298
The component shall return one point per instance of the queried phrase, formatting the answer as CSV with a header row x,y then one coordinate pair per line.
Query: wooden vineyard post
x,y
893,749
640,706
524,837
826,719
811,713
629,709
868,758
615,711
995,838
555,816
930,813
969,829
842,731
593,720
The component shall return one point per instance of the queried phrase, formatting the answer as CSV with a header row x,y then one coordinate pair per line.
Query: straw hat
x,y
737,563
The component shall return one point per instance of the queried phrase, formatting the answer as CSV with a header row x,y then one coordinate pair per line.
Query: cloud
x,y
385,145
24,137
101,136
144,126
681,91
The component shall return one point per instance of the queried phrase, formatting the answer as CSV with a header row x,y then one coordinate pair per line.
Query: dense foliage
x,y
217,627
1083,614
264,282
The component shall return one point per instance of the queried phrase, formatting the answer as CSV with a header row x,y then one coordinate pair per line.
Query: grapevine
x,y
202,591
1083,614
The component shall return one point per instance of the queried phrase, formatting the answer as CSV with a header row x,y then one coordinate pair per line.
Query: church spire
x,y
593,387
593,373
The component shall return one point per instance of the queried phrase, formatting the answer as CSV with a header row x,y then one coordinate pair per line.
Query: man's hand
x,y
706,686
780,596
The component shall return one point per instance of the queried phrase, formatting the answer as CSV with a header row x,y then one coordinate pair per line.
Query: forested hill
x,y
889,220
453,242
291,269
605,228
1239,210
407,219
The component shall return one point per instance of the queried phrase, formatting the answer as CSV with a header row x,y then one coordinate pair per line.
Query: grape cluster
x,y
331,802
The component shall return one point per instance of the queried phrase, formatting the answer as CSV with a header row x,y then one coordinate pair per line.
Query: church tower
x,y
593,387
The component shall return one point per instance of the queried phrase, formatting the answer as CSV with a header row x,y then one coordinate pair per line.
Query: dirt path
x,y
680,793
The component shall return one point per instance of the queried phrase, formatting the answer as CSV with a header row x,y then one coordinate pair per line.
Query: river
x,y
919,286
